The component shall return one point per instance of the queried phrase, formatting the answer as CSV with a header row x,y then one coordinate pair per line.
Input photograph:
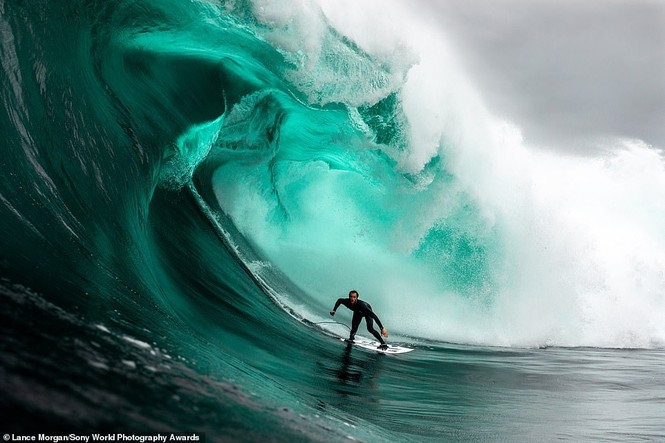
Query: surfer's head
x,y
353,296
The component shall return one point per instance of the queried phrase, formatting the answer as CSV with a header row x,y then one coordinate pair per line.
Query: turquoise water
x,y
189,186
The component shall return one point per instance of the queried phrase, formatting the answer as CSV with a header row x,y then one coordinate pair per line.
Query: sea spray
x,y
489,240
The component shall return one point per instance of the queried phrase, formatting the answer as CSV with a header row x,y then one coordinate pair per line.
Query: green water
x,y
189,186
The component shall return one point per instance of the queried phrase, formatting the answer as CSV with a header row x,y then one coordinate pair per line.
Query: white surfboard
x,y
373,346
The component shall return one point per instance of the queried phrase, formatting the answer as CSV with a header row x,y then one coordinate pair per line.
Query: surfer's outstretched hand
x,y
332,312
384,332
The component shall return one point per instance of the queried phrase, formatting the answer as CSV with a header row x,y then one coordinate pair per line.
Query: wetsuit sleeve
x,y
376,318
369,313
339,302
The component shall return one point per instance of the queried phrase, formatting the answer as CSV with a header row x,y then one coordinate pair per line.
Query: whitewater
x,y
190,185
498,243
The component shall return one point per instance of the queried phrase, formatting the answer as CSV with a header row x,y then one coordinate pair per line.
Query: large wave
x,y
349,151
189,185
390,176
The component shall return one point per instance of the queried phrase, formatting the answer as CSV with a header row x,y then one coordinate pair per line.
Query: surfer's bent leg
x,y
355,322
370,328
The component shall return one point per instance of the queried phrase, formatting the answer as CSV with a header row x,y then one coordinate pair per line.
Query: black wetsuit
x,y
361,309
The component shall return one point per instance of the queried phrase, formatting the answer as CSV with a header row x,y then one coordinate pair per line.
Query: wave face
x,y
190,185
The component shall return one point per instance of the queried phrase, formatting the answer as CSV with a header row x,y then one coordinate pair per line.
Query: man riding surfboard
x,y
362,309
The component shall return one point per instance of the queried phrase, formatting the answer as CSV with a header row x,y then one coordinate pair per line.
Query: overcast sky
x,y
564,71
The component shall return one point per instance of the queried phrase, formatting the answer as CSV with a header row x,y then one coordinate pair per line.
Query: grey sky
x,y
565,71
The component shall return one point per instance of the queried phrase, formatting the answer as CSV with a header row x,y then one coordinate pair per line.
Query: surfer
x,y
362,309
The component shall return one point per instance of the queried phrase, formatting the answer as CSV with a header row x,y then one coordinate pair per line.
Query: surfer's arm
x,y
376,319
339,302
384,331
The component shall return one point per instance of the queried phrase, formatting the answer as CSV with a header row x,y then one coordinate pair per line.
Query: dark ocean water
x,y
188,186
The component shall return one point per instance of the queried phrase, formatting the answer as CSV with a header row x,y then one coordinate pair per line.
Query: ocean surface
x,y
188,186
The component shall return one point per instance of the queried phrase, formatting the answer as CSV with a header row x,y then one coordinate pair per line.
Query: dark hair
x,y
352,291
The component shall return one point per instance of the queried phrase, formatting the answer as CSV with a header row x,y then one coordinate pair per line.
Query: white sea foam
x,y
574,246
